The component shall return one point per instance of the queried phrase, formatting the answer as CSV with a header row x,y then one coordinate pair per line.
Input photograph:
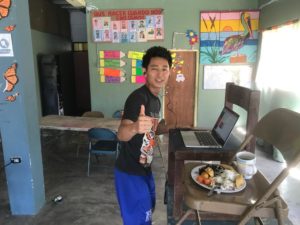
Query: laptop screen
x,y
224,125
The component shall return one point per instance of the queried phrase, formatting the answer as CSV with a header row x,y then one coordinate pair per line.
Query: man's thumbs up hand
x,y
142,111
144,123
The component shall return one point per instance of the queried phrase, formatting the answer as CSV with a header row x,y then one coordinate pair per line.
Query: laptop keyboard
x,y
205,138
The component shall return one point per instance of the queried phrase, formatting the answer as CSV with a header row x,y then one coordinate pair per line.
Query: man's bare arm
x,y
128,128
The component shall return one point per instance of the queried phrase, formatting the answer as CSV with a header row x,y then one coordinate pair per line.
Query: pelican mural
x,y
228,36
235,42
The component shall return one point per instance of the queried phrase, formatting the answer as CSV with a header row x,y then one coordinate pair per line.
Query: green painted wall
x,y
45,43
278,12
178,17
275,14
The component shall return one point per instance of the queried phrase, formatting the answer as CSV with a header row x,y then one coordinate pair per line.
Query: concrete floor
x,y
91,200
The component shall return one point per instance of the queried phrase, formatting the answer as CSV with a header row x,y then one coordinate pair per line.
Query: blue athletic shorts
x,y
136,197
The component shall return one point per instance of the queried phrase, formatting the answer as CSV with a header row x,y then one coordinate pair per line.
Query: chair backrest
x,y
102,133
247,99
281,128
93,114
118,114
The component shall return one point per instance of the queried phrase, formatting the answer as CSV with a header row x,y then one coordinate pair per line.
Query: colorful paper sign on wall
x,y
228,37
137,71
111,54
135,55
111,63
109,79
136,63
127,26
138,79
111,72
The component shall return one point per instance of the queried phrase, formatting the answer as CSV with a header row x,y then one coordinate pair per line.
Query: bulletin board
x,y
127,26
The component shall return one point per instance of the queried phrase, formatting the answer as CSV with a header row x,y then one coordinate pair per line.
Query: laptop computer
x,y
215,138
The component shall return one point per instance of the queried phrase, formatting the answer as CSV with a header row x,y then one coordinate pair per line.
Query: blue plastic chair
x,y
102,141
118,114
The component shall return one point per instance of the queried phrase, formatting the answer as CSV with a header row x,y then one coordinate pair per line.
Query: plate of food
x,y
221,178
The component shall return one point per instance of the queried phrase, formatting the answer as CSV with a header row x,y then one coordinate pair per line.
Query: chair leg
x,y
258,221
279,212
89,162
198,217
187,213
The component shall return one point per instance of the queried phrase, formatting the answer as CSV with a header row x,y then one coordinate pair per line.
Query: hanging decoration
x,y
4,8
177,65
12,98
10,28
192,36
11,78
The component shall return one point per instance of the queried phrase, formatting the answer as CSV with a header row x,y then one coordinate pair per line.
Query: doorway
x,y
180,99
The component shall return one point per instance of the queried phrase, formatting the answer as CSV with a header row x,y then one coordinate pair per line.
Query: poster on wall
x,y
228,36
217,75
127,26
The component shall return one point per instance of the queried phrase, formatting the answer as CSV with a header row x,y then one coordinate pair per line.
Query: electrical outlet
x,y
15,160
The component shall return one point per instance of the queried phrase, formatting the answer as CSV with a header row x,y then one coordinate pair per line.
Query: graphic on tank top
x,y
148,144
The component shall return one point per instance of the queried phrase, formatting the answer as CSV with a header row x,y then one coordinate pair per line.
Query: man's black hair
x,y
156,51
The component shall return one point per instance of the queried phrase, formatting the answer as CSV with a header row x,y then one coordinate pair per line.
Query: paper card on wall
x,y
137,71
108,79
138,79
6,47
150,20
124,37
135,55
132,25
141,35
111,54
159,21
132,37
111,72
111,63
159,33
115,37
136,63
150,33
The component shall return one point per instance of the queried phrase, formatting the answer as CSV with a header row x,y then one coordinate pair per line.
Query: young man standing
x,y
133,177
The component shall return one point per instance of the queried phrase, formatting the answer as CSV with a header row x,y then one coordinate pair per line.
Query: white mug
x,y
246,164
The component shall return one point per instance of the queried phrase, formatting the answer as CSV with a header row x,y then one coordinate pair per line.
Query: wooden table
x,y
178,153
77,123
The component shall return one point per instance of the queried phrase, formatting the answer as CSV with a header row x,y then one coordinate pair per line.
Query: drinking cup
x,y
246,164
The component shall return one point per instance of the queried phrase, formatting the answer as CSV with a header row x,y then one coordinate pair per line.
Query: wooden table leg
x,y
178,188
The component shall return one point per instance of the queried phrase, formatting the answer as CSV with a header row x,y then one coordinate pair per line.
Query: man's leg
x,y
134,198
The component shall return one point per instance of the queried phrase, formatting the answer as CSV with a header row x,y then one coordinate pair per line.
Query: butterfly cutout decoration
x,y
10,77
9,28
4,8
12,98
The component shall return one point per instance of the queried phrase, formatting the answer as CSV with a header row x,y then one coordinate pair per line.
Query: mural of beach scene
x,y
228,36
